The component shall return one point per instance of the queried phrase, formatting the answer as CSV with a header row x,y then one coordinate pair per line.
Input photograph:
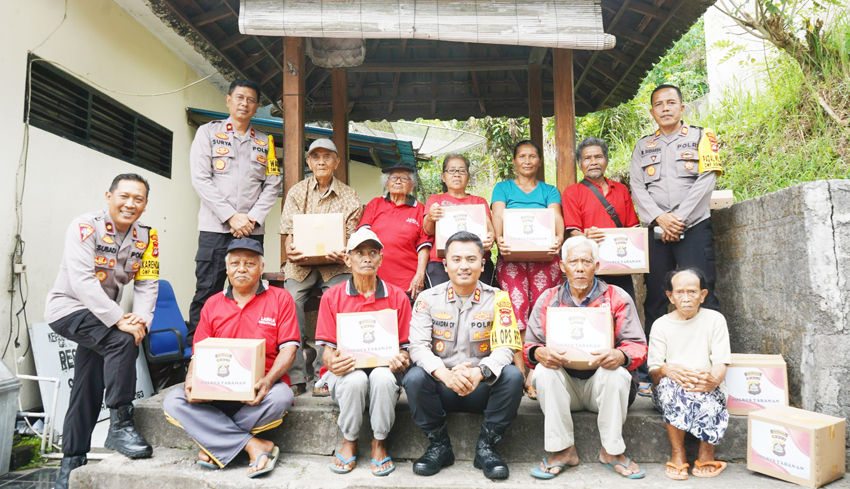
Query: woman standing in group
x,y
455,178
525,281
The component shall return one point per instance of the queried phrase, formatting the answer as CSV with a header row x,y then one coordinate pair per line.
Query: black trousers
x,y
435,273
430,399
106,357
622,281
209,273
695,251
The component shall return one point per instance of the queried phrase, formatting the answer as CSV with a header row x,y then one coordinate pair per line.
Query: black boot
x,y
123,436
438,455
68,464
486,456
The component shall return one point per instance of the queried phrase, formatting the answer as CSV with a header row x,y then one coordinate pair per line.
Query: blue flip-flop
x,y
639,475
645,389
345,462
271,461
382,462
208,465
538,473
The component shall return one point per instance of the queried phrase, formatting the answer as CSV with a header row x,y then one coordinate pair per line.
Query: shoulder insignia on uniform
x,y
86,230
222,151
222,135
135,234
443,315
110,228
100,260
420,305
141,245
657,132
476,296
684,130
261,158
108,239
100,275
260,142
253,134
229,127
450,293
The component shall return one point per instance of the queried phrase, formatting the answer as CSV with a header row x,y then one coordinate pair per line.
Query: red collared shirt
x,y
269,315
582,210
399,227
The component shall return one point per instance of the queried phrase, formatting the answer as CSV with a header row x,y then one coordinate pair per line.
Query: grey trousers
x,y
605,393
377,389
223,428
300,292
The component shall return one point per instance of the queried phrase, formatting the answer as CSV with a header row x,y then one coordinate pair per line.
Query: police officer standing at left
x,y
460,364
237,184
104,251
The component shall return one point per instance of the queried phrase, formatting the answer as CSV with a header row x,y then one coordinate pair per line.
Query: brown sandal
x,y
678,476
718,468
531,392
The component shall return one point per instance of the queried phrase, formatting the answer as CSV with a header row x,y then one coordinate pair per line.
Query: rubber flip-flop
x,y
321,391
531,392
382,462
208,465
718,466
539,473
271,461
677,468
345,462
610,465
644,389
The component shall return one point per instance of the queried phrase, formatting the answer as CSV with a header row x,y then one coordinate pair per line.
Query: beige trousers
x,y
605,393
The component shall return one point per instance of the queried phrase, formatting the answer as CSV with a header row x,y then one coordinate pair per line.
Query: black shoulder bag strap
x,y
607,205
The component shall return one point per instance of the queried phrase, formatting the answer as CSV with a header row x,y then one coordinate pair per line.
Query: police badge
x,y
779,438
367,329
753,382
460,221
527,224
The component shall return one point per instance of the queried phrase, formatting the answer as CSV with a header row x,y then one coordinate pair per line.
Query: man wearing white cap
x,y
355,390
321,193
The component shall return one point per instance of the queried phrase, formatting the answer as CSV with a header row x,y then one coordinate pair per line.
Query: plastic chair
x,y
166,339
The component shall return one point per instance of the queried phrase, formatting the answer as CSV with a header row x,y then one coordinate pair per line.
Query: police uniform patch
x,y
222,151
450,293
443,315
687,155
137,266
100,260
476,296
260,142
222,135
100,275
220,164
653,157
135,234
110,228
483,316
689,165
85,231
261,158
111,263
447,334
650,170
108,240
684,130
420,305
483,347
253,135
651,144
477,336
229,127
440,346
141,245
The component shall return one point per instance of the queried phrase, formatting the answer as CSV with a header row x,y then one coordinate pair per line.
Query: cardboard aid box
x,y
456,218
226,369
316,235
530,233
797,446
721,199
579,331
625,251
756,382
371,337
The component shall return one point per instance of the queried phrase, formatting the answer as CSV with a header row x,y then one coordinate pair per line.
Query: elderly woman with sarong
x,y
688,355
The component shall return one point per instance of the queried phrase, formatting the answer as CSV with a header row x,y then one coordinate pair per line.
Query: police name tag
x,y
624,251
370,337
578,332
226,369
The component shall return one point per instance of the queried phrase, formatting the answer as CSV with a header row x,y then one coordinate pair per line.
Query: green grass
x,y
34,443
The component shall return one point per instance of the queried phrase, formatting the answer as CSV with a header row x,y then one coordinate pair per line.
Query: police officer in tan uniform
x,y
673,173
237,184
458,366
104,251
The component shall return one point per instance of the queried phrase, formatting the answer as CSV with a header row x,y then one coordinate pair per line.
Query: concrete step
x,y
176,469
310,428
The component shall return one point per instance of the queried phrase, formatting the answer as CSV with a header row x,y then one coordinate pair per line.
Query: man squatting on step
x,y
247,309
104,251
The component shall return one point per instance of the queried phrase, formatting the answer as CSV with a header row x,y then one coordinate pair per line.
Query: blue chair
x,y
166,339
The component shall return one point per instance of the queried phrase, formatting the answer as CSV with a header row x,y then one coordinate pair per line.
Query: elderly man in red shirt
x,y
598,203
249,310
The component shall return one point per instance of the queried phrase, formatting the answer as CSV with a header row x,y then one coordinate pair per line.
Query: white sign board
x,y
54,357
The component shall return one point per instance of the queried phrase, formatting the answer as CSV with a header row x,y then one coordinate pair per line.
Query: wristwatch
x,y
486,372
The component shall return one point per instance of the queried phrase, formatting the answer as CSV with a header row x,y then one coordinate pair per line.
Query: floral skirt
x,y
702,414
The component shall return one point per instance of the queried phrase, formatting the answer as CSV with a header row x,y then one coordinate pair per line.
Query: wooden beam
x,y
622,10
535,110
537,55
565,118
633,35
649,10
476,89
230,41
427,65
340,121
213,15
292,101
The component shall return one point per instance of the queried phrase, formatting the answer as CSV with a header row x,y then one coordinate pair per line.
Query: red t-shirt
x,y
582,210
447,200
399,227
269,315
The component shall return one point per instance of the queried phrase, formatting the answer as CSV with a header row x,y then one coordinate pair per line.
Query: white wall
x,y
100,41
735,73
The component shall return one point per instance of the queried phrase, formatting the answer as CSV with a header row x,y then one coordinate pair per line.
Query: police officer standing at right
x,y
462,340
673,173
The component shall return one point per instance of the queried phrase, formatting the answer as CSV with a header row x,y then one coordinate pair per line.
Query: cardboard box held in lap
x,y
226,369
457,218
797,446
579,331
529,233
316,235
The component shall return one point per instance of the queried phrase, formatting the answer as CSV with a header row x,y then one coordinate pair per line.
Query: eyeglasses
x,y
456,171
398,178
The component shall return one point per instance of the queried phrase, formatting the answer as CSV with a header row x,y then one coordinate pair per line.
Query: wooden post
x,y
565,117
293,117
535,111
339,87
